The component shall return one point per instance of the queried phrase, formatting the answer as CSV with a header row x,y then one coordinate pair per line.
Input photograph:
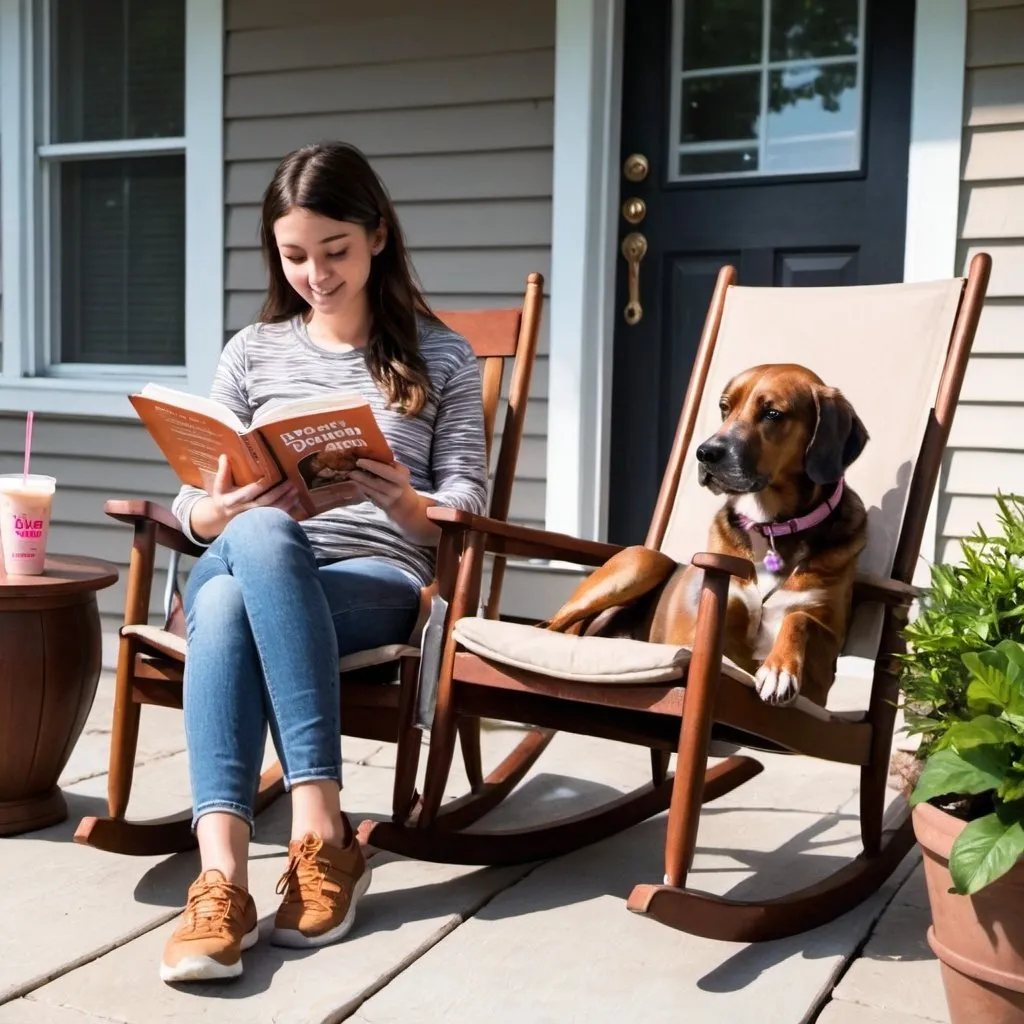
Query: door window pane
x,y
722,161
812,118
122,261
796,96
814,28
721,33
118,69
720,107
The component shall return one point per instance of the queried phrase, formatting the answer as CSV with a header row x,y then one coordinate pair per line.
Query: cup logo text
x,y
28,529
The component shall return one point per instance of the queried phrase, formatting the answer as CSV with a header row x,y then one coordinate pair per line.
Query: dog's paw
x,y
776,685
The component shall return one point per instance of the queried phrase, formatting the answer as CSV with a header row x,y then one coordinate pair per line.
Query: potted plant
x,y
963,684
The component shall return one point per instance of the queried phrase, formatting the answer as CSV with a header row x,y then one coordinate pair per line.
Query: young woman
x,y
273,603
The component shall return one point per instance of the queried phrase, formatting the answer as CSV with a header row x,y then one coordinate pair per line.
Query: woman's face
x,y
326,261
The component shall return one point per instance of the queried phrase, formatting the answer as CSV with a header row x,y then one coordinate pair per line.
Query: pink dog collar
x,y
772,560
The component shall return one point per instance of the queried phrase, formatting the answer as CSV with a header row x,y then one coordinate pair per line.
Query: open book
x,y
314,442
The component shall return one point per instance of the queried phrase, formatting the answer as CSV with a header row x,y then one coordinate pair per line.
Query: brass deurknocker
x,y
634,248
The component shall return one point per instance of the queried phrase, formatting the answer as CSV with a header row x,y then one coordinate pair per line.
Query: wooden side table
x,y
50,658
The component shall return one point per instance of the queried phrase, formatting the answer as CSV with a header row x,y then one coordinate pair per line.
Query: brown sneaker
x,y
321,888
218,923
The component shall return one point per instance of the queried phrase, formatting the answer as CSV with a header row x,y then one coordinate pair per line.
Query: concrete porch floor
x,y
548,942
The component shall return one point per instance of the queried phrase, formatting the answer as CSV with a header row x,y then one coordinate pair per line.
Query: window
x,y
112,198
765,87
116,71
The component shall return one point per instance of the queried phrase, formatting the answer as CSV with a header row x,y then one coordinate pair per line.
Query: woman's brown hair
x,y
335,180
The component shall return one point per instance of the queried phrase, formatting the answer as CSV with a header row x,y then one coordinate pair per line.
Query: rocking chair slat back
x,y
496,335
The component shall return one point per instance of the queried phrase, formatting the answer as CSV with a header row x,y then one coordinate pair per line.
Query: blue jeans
x,y
266,626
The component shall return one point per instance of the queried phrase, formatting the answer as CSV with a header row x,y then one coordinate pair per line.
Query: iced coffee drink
x,y
25,503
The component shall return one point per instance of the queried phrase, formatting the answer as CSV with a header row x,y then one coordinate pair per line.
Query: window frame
x,y
764,68
26,379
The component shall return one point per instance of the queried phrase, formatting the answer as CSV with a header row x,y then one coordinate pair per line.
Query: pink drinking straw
x,y
28,447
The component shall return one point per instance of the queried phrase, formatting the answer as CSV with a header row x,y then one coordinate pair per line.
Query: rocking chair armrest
x,y
136,512
884,590
728,564
510,539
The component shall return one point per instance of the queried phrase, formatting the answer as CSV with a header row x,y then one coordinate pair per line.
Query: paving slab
x,y
75,903
855,1013
28,1011
161,732
115,901
897,971
560,946
410,907
72,902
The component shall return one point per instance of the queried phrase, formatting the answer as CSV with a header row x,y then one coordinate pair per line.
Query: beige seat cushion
x,y
174,645
590,659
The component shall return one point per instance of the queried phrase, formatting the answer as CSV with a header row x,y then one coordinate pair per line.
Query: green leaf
x,y
986,849
949,772
990,686
1014,654
979,732
1012,788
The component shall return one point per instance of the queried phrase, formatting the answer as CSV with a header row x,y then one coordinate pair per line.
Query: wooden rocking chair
x,y
899,352
151,659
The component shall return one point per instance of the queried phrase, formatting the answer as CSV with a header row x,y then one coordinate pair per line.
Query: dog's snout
x,y
710,452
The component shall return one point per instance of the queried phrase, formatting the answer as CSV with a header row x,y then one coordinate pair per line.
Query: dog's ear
x,y
839,437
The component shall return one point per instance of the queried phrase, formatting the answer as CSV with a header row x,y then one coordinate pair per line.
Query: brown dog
x,y
779,458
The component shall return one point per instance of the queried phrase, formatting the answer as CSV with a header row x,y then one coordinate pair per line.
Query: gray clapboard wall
x,y
453,103
987,443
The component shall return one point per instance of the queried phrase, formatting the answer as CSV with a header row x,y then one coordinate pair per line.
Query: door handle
x,y
634,248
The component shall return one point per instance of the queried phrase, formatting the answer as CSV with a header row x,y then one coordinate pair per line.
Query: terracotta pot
x,y
978,939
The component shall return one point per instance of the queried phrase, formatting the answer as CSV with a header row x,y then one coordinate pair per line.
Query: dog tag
x,y
773,560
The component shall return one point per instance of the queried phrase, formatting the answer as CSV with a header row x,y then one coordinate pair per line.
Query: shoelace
x,y
208,907
303,879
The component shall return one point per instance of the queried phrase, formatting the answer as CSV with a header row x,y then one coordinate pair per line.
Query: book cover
x,y
318,450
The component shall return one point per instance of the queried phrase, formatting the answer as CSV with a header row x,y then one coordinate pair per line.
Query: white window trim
x,y
105,393
588,96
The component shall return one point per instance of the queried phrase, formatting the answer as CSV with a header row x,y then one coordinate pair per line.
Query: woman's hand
x,y
210,515
387,486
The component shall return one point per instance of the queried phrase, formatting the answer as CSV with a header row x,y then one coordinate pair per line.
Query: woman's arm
x,y
457,462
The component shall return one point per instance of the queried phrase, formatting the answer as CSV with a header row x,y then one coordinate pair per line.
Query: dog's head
x,y
779,423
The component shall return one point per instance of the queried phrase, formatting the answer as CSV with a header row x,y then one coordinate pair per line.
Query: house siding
x,y
452,101
986,452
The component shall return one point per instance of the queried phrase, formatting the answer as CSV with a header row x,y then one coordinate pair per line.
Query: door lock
x,y
634,210
635,167
634,248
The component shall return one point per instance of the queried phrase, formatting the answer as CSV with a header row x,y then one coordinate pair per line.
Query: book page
x,y
194,403
335,402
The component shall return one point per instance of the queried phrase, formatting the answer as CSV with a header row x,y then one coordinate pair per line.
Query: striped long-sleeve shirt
x,y
443,446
